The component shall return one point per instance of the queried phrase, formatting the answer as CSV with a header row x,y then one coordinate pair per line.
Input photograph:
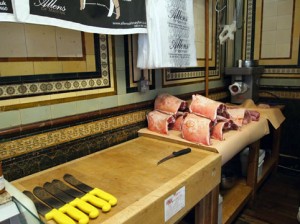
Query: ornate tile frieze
x,y
56,137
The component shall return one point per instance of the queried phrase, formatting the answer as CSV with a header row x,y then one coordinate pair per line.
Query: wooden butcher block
x,y
129,171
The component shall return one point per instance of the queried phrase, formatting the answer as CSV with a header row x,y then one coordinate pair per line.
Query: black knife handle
x,y
182,152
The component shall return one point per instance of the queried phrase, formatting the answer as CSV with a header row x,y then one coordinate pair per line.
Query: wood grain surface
x,y
129,171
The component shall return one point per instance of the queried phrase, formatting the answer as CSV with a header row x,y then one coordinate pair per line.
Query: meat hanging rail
x,y
206,47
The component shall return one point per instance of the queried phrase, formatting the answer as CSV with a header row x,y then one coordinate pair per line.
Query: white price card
x,y
174,203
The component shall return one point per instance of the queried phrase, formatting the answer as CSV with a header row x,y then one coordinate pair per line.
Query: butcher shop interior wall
x,y
65,93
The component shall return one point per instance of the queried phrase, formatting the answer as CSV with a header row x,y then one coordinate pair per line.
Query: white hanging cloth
x,y
170,38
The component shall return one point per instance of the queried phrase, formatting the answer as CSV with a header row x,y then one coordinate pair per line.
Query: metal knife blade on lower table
x,y
98,202
75,202
53,202
49,213
94,191
175,154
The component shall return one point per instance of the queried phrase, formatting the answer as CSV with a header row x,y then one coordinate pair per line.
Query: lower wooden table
x,y
130,172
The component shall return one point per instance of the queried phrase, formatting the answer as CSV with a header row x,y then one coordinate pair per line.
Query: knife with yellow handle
x,y
75,202
91,199
53,202
94,191
48,212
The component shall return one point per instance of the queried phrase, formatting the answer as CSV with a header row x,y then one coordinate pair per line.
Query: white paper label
x,y
174,203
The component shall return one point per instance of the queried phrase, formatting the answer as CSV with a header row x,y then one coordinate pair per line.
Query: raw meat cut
x,y
196,129
169,104
159,122
206,107
255,115
178,121
242,116
222,126
217,131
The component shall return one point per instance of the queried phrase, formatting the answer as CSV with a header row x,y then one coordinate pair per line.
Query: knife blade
x,y
94,191
53,202
98,202
175,154
75,202
48,212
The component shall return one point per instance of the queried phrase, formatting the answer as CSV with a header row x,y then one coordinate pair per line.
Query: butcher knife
x,y
92,199
48,212
175,154
53,202
94,191
75,202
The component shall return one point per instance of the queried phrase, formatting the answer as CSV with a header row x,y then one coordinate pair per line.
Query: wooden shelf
x,y
244,191
234,200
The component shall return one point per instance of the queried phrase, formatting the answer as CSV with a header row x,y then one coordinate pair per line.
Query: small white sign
x,y
174,203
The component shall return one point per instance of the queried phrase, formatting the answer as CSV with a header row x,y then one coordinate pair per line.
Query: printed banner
x,y
94,16
6,11
170,41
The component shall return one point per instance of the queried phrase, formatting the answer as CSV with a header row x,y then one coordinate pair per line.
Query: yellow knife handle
x,y
85,207
59,217
104,195
98,202
74,213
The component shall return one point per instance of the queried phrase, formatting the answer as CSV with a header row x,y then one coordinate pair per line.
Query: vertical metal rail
x,y
206,47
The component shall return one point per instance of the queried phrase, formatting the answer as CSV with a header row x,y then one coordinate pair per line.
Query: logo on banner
x,y
50,6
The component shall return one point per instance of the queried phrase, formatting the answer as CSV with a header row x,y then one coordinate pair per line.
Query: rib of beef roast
x,y
196,129
159,122
169,104
206,107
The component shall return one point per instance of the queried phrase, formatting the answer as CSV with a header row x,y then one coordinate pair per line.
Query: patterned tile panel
x,y
40,141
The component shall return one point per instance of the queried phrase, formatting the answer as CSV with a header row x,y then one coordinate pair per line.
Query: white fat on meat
x,y
206,107
169,104
159,122
196,129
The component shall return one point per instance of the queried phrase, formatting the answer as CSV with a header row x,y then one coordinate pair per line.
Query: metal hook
x,y
220,10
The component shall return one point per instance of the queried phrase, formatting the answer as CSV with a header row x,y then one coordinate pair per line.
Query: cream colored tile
x,y
12,42
284,22
268,37
40,41
283,37
50,67
89,44
268,51
16,68
68,43
34,99
285,7
282,50
90,63
269,23
269,9
74,66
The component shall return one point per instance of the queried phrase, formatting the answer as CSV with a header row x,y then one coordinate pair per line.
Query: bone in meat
x,y
196,129
206,107
169,104
159,122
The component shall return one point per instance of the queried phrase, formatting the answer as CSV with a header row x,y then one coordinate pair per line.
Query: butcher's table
x,y
129,171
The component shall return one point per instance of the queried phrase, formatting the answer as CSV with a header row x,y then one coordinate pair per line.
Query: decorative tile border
x,y
249,30
52,138
70,86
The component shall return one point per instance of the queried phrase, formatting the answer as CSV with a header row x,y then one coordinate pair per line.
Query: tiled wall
x,y
46,145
